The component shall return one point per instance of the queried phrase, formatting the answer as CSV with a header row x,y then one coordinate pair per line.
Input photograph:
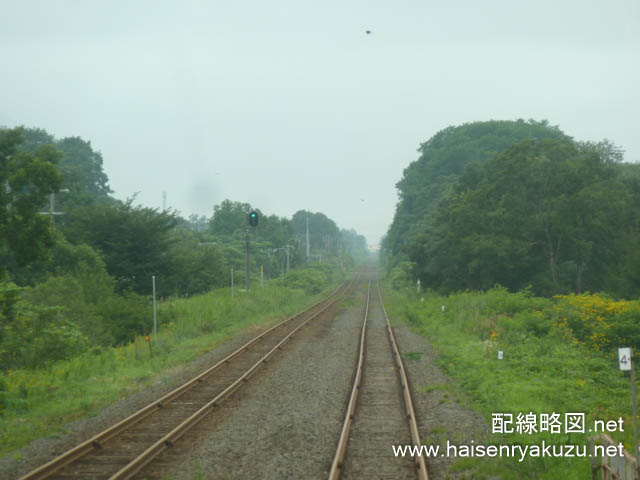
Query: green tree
x,y
541,213
26,180
134,241
82,169
442,160
65,258
80,166
229,219
324,234
353,243
195,268
32,335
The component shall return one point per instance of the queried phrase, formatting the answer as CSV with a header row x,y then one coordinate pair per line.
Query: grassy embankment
x,y
560,355
36,403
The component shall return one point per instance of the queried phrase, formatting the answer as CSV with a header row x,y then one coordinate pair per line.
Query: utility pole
x,y
164,201
253,222
633,407
287,247
52,206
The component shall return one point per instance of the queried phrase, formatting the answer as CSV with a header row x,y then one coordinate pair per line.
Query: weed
x,y
438,386
413,356
438,430
559,356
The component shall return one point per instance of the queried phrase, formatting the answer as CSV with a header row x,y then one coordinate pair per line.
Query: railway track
x,y
125,448
380,412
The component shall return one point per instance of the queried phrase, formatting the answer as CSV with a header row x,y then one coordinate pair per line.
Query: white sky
x,y
289,105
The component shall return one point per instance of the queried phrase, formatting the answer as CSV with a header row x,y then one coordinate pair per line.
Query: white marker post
x,y
500,354
625,359
155,323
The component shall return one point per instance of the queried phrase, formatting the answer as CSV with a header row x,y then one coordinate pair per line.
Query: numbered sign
x,y
500,354
624,357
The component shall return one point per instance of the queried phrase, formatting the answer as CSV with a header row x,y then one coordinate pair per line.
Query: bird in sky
x,y
368,32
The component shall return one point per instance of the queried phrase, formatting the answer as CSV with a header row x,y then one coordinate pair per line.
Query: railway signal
x,y
253,218
247,278
253,221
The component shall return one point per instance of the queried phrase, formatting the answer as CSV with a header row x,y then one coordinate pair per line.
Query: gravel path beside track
x,y
438,404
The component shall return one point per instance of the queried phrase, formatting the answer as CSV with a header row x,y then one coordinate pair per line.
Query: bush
x,y
598,321
310,280
89,300
124,317
401,275
32,335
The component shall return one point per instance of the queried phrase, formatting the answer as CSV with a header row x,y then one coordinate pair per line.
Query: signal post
x,y
253,222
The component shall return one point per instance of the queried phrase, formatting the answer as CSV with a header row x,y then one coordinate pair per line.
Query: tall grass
x,y
36,403
546,368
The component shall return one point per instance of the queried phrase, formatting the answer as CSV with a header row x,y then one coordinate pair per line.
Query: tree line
x,y
519,204
84,277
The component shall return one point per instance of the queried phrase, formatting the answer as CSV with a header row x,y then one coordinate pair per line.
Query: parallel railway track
x,y
125,448
380,410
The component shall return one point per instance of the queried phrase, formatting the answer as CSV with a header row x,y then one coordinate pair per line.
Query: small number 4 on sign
x,y
624,357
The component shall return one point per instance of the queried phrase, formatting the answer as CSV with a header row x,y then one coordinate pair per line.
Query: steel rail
x,y
170,438
406,393
99,439
338,459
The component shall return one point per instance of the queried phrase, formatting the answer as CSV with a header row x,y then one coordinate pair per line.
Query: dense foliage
x,y
26,180
442,159
76,264
543,211
134,241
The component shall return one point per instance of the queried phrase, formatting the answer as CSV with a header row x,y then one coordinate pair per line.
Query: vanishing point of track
x,y
377,414
122,450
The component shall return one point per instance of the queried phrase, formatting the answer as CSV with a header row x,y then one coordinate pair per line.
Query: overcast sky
x,y
290,105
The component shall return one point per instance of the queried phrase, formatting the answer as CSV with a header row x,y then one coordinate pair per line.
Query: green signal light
x,y
253,218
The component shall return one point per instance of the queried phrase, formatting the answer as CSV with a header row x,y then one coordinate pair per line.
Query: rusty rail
x,y
406,393
98,440
338,460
